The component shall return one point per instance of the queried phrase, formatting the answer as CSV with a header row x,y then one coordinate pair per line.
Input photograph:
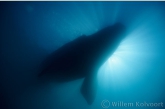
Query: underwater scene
x,y
82,55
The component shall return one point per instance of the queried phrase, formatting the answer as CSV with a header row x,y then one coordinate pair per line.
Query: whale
x,y
82,58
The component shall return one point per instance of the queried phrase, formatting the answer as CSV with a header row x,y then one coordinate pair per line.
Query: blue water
x,y
30,31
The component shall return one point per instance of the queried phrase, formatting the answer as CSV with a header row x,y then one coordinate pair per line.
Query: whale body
x,y
82,58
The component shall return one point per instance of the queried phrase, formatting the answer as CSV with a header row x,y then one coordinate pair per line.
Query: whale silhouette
x,y
82,58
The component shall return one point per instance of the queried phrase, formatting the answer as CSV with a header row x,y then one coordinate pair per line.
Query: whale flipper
x,y
89,88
